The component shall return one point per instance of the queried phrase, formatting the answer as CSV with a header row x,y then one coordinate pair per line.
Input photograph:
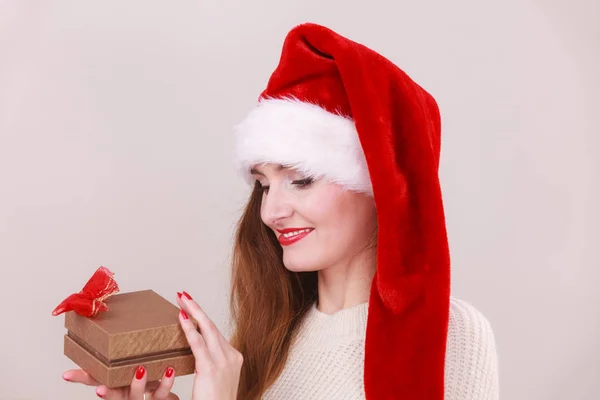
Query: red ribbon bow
x,y
90,300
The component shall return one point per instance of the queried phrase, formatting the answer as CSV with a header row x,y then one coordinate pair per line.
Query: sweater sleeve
x,y
471,367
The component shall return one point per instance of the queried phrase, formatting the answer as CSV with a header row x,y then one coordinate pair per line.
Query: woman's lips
x,y
296,235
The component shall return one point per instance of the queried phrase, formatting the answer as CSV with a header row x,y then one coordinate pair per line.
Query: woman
x,y
341,271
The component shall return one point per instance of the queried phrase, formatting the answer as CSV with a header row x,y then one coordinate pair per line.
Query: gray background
x,y
116,147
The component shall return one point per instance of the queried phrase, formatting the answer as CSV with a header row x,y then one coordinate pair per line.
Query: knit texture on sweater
x,y
326,362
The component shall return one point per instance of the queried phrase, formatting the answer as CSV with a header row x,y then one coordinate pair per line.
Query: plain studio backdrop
x,y
116,146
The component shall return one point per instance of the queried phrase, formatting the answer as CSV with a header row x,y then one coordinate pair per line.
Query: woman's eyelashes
x,y
300,183
303,182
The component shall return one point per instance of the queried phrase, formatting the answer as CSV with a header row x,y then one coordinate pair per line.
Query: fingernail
x,y
187,296
179,294
139,374
99,395
66,378
169,372
183,314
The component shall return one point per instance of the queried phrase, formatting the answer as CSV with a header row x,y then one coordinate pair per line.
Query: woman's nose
x,y
275,206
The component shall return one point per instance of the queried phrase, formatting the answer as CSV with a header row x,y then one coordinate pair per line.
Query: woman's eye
x,y
303,182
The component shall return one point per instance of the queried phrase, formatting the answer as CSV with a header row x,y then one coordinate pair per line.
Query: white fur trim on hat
x,y
305,137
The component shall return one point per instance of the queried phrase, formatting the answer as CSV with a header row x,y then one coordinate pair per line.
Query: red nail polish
x,y
169,372
100,395
184,314
139,374
179,294
187,296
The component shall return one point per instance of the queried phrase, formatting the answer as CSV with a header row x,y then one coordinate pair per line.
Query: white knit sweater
x,y
326,362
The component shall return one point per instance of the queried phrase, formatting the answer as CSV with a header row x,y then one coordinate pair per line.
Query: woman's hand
x,y
218,364
139,389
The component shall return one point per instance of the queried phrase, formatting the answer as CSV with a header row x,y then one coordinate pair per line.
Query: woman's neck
x,y
346,285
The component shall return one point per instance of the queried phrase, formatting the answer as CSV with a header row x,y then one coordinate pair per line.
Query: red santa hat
x,y
336,109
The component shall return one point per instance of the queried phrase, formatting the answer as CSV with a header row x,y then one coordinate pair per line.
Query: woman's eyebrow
x,y
255,171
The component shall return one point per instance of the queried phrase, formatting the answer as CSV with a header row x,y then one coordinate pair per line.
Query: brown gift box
x,y
140,328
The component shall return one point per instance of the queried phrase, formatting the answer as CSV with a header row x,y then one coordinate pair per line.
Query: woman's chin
x,y
298,266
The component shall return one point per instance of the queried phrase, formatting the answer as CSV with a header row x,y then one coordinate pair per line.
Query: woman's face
x,y
318,223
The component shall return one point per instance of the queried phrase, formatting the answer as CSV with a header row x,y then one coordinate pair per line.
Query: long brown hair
x,y
267,301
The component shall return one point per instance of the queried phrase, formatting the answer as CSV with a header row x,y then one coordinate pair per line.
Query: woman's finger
x,y
196,341
208,329
122,393
163,390
111,394
79,376
133,392
138,384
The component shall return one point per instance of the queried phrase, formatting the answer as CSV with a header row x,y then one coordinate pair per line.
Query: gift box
x,y
138,328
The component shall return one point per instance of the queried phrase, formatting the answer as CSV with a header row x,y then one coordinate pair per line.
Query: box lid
x,y
137,324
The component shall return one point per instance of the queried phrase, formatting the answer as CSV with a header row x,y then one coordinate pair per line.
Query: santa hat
x,y
336,109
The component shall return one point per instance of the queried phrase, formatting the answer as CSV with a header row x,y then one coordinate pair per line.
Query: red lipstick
x,y
301,233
